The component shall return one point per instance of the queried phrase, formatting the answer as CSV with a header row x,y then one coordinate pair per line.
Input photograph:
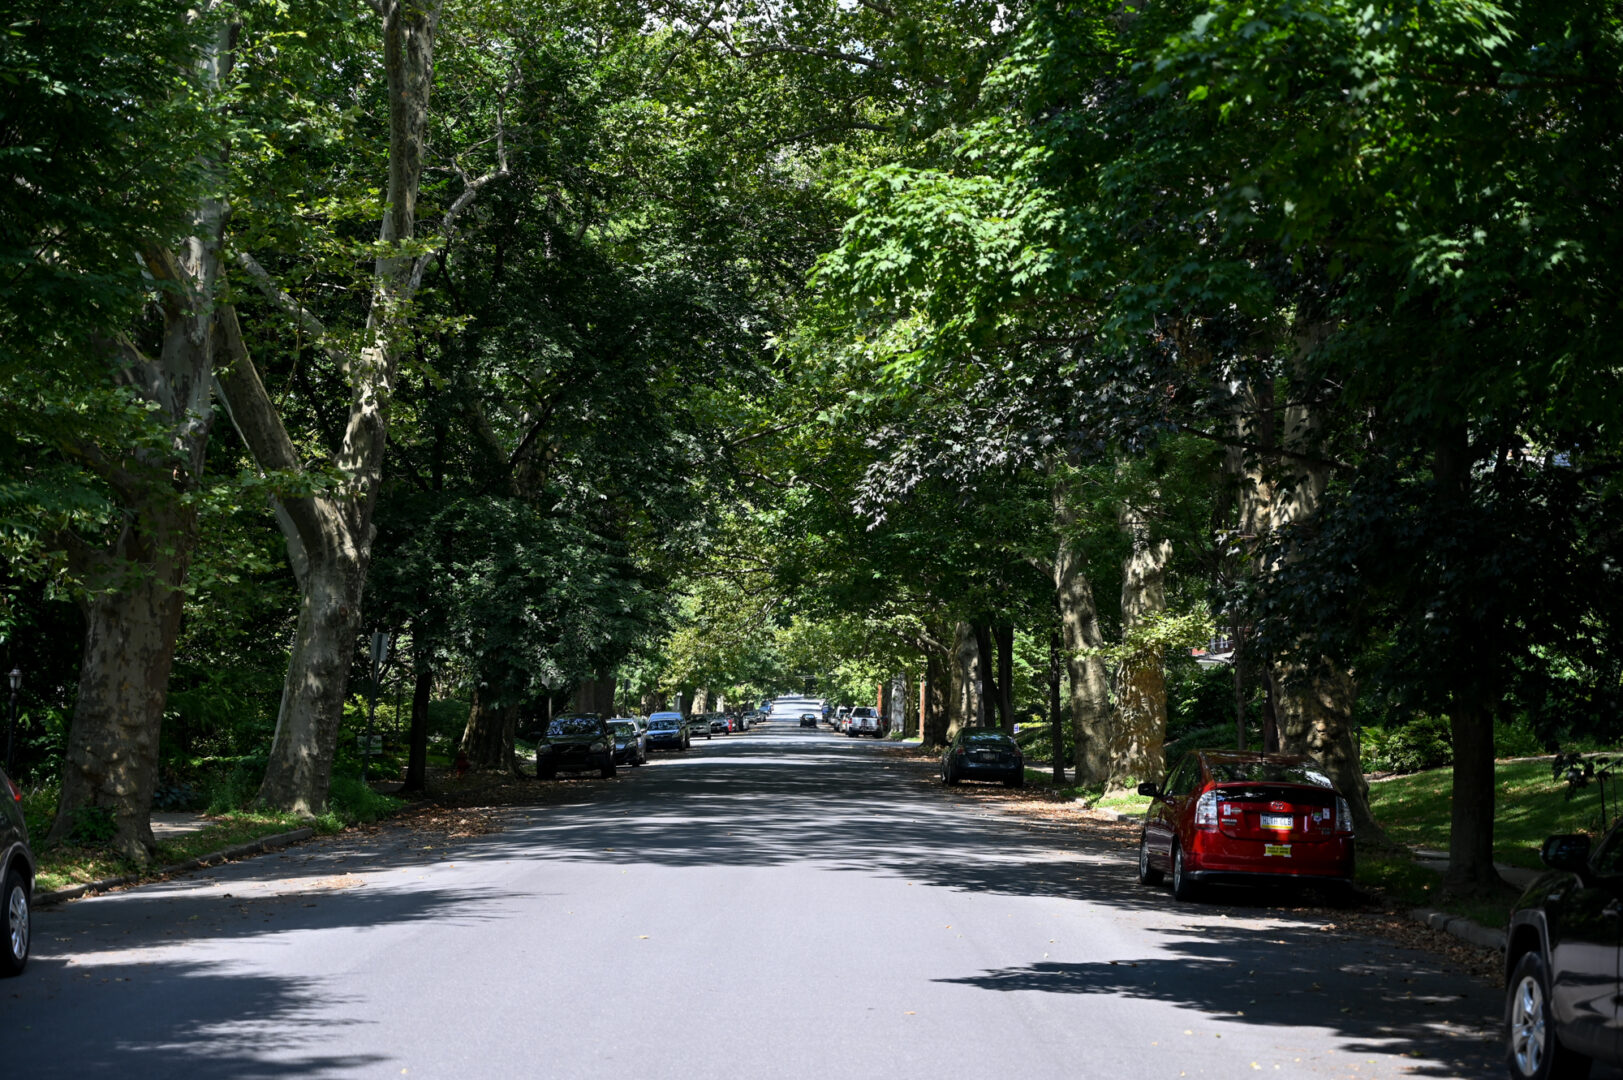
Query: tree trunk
x,y
1056,721
990,642
1139,733
1470,836
329,538
701,699
488,737
1314,709
965,702
935,723
422,690
112,756
1090,678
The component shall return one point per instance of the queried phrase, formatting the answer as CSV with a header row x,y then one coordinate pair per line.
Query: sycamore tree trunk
x,y
110,768
133,610
1089,675
488,737
964,703
329,536
1140,728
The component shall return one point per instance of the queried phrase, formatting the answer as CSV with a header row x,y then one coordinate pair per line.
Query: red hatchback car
x,y
1228,815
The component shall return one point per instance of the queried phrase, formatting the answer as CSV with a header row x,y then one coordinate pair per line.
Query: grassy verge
x,y
1128,803
66,865
1529,806
86,859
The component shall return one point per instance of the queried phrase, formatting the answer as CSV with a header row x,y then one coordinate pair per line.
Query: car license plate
x,y
1277,849
1277,821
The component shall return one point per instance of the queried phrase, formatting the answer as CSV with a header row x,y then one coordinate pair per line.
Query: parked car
x,y
808,720
718,723
666,731
1236,816
16,880
700,725
865,721
1562,987
575,744
983,754
629,746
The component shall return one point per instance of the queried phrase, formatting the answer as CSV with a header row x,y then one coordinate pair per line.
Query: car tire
x,y
949,777
16,933
608,770
1016,781
542,773
1184,887
1533,1051
1147,874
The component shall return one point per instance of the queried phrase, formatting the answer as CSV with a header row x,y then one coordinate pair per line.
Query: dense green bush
x,y
1422,743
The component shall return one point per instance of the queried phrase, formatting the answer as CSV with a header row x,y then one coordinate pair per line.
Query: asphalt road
x,y
779,904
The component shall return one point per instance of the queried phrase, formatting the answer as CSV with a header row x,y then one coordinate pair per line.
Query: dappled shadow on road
x,y
1244,957
1396,1003
212,1023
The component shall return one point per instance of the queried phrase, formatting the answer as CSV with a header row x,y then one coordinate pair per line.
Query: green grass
x,y
1528,806
65,865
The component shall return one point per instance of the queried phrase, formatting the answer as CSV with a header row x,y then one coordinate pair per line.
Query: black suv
x,y
16,879
575,744
1563,999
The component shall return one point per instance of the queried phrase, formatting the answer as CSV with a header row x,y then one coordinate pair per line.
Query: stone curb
x,y
1460,927
241,851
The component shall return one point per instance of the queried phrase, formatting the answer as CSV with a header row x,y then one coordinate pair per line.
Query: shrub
x,y
1422,743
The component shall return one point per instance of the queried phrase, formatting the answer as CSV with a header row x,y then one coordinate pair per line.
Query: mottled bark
x,y
329,538
1089,674
965,702
487,739
1138,734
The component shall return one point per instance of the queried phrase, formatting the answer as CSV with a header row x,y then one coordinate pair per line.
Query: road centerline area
x,y
782,904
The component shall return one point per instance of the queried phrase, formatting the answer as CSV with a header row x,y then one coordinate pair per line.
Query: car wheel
x,y
1532,1049
608,770
14,942
546,774
949,777
1016,781
1183,886
1147,874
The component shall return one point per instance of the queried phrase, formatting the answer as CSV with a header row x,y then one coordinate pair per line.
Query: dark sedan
x,y
16,880
808,720
628,743
667,732
575,744
983,754
1563,994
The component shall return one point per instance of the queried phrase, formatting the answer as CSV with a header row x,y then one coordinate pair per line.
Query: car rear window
x,y
989,738
1267,771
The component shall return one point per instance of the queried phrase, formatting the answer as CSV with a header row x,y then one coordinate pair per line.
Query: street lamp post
x,y
16,677
380,656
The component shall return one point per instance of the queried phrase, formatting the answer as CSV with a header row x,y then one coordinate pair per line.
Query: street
x,y
785,903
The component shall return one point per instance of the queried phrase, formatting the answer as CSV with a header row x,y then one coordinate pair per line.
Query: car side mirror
x,y
1150,790
1569,852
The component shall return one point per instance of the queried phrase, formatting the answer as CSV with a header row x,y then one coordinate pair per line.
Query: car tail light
x,y
1206,810
1343,816
16,792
